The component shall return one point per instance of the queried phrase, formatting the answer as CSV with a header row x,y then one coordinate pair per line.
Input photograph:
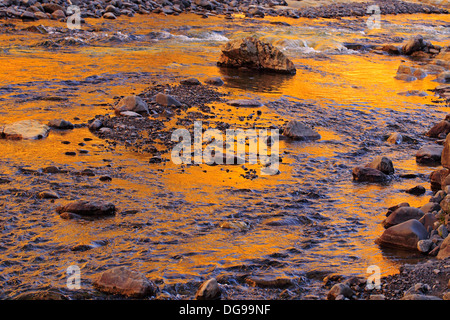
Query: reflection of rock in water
x,y
255,81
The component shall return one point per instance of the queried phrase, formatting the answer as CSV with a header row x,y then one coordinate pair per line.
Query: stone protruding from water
x,y
254,54
126,282
25,129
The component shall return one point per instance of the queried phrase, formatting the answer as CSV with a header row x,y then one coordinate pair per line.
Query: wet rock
x,y
417,190
296,130
413,45
215,81
41,295
241,225
95,125
208,290
251,53
395,138
340,291
401,215
25,129
437,178
269,283
383,164
439,130
166,100
47,194
245,103
5,180
190,82
405,235
88,208
391,49
60,124
429,154
126,282
132,103
443,77
363,174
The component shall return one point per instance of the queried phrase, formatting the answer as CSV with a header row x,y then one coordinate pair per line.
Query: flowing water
x,y
305,222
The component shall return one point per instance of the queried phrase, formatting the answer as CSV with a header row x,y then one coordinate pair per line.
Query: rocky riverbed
x,y
104,196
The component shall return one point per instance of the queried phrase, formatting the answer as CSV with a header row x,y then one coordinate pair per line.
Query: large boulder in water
x,y
25,129
402,214
404,235
252,53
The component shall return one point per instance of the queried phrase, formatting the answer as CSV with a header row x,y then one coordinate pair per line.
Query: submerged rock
x,y
252,53
296,130
25,129
87,209
246,103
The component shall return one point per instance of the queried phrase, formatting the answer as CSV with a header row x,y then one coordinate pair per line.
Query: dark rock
x,y
166,100
190,82
417,190
404,235
413,45
363,174
439,130
401,215
383,164
296,130
215,81
60,124
88,208
429,154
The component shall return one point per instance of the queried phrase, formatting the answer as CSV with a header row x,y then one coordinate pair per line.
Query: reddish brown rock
x,y
252,53
123,281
